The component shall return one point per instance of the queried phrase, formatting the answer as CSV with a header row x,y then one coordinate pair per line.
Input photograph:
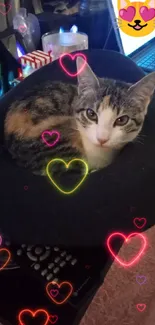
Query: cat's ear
x,y
150,3
143,89
123,3
86,78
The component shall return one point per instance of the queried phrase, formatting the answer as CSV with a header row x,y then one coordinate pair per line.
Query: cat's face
x,y
110,114
136,18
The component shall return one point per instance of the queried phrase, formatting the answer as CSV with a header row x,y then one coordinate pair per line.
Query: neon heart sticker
x,y
33,314
7,260
141,307
72,57
126,239
51,133
22,28
141,279
139,222
54,293
67,166
62,284
53,319
4,8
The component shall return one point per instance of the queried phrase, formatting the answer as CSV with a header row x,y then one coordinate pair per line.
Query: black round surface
x,y
107,200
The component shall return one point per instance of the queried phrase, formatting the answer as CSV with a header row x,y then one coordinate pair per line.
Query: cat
x,y
95,119
136,18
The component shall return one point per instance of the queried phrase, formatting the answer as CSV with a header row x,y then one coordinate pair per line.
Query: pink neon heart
x,y
147,13
141,307
54,292
72,57
51,133
22,28
53,319
139,222
127,14
126,239
4,8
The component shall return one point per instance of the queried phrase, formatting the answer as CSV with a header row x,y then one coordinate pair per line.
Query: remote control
x,y
54,266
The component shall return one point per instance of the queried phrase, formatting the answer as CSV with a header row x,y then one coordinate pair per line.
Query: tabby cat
x,y
95,119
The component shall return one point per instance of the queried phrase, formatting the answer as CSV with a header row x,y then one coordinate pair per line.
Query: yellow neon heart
x,y
67,166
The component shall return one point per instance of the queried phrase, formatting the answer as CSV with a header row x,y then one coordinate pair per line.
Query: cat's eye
x,y
122,120
91,114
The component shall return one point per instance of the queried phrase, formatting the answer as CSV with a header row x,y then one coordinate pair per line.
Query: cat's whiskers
x,y
120,25
139,139
117,26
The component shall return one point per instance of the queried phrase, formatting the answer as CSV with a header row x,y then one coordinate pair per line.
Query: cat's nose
x,y
102,141
137,21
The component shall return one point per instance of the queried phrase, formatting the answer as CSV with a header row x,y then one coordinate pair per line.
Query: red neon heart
x,y
141,307
66,283
4,8
139,222
127,14
53,319
33,314
2,250
117,234
72,57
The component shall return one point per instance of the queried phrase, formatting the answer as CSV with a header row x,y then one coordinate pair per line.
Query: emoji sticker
x,y
136,18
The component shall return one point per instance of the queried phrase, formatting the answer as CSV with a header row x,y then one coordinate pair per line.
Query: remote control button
x,y
43,257
19,252
38,250
56,270
68,258
29,248
50,266
63,263
56,249
55,280
49,277
44,272
73,262
37,267
31,257
63,253
23,245
57,259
